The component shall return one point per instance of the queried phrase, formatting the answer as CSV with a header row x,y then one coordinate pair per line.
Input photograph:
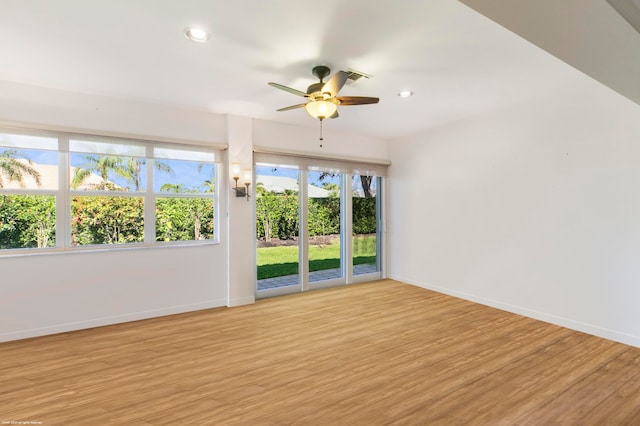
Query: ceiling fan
x,y
323,99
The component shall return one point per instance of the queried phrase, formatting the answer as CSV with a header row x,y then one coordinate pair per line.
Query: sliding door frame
x,y
380,253
346,232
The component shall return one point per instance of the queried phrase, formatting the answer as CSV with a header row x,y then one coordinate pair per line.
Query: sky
x,y
293,173
313,177
190,174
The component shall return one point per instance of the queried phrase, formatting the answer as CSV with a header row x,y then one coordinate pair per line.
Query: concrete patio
x,y
326,274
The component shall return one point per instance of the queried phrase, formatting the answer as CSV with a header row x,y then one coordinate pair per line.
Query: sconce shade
x,y
247,176
235,170
321,109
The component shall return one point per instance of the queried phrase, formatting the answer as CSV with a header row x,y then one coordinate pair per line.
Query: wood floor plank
x,y
622,405
376,353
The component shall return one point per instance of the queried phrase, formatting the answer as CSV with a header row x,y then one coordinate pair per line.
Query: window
x,y
184,190
28,191
107,182
60,191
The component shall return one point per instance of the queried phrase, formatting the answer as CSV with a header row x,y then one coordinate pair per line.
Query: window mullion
x,y
347,227
150,199
303,228
380,228
63,198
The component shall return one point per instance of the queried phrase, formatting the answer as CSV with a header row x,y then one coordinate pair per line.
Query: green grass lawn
x,y
281,261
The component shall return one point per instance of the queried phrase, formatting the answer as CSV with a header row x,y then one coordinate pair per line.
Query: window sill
x,y
101,249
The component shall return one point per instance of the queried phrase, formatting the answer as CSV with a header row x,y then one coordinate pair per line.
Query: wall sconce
x,y
240,191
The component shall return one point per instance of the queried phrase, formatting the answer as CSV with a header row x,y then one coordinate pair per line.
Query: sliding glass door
x,y
365,231
316,226
277,228
324,195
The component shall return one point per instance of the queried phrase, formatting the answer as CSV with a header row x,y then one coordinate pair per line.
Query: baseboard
x,y
117,319
241,301
594,330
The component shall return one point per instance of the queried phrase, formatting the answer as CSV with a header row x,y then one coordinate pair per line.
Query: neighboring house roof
x,y
279,184
49,178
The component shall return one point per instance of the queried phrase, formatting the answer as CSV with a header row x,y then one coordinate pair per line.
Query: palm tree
x,y
130,169
366,186
100,164
15,170
364,180
210,185
175,188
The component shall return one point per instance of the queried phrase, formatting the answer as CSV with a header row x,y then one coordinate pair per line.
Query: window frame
x,y
30,191
64,193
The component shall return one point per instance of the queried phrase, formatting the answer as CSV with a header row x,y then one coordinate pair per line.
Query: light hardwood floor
x,y
377,353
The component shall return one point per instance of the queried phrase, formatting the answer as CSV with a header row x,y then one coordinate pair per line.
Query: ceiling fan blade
x,y
287,89
357,100
335,83
292,107
335,115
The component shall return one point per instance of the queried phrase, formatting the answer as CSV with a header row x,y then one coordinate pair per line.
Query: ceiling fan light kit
x,y
321,109
322,98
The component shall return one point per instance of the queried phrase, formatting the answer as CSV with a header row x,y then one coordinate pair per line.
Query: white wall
x,y
49,293
52,293
241,218
284,137
57,108
534,209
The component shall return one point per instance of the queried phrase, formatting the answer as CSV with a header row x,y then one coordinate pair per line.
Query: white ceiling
x,y
588,34
456,61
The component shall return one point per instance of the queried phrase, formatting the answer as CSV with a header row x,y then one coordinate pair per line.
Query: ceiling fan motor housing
x,y
315,87
321,72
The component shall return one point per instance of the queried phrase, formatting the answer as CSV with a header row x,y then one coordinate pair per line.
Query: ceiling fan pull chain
x,y
321,138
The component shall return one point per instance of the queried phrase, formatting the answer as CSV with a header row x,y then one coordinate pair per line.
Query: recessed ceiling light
x,y
405,93
196,34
